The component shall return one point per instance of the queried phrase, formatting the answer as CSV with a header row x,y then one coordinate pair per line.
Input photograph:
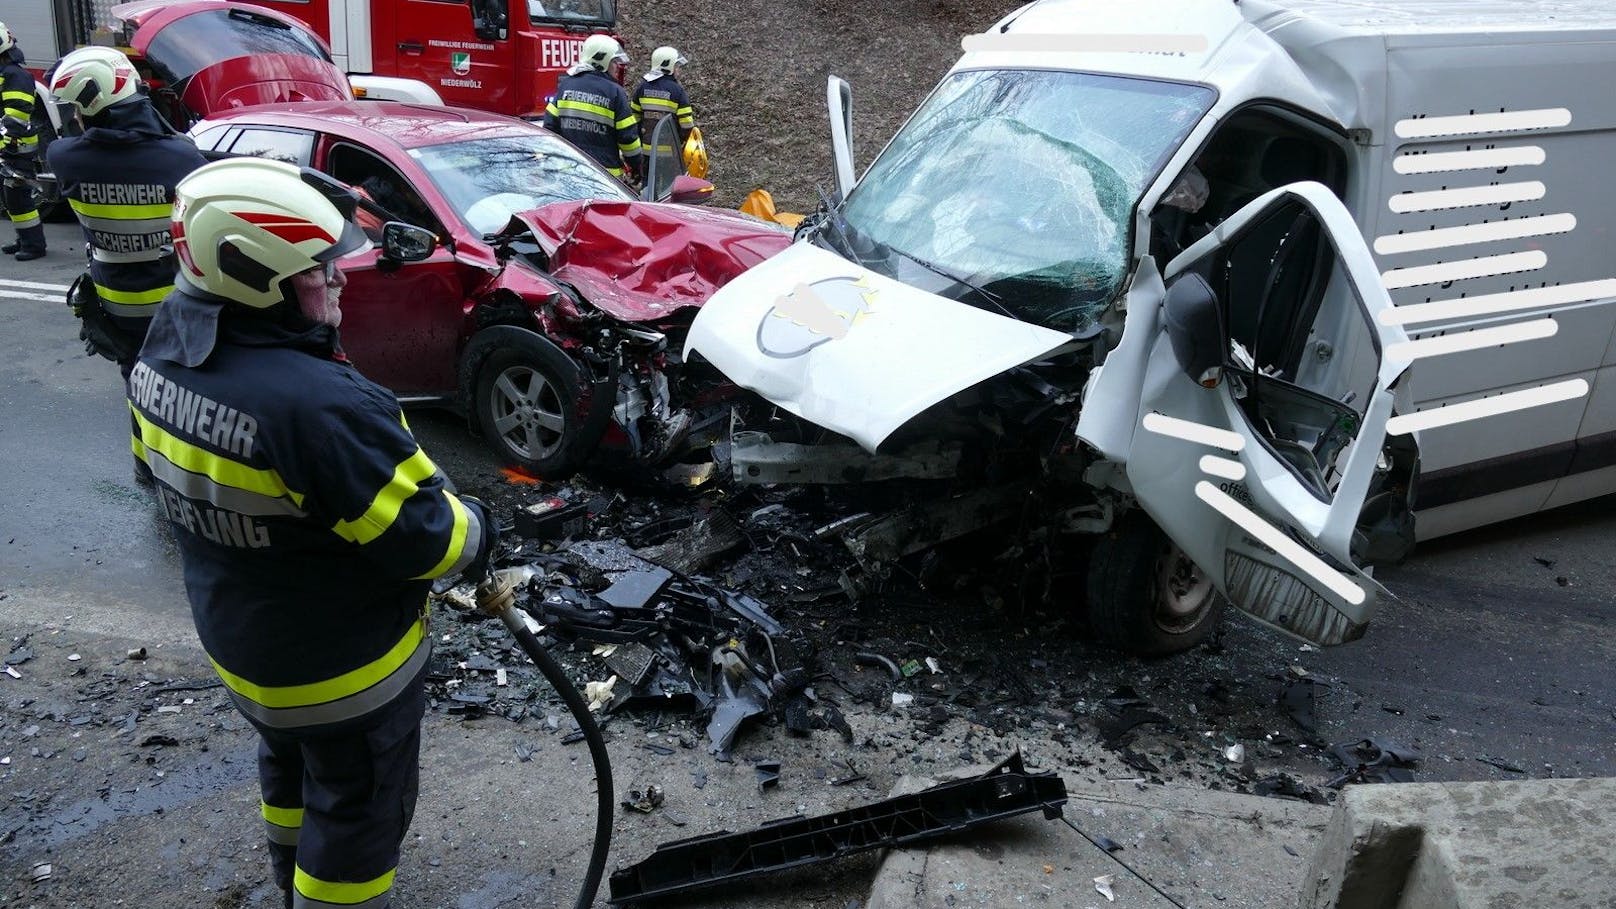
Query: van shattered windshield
x,y
1022,183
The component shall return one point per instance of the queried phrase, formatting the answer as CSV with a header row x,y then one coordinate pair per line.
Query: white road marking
x,y
33,285
24,295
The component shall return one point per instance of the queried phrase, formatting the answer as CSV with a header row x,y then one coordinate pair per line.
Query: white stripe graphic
x,y
1479,159
1459,342
1509,121
1280,543
1090,43
1487,407
1493,304
32,285
1465,234
1223,467
23,295
1163,425
1464,269
1439,199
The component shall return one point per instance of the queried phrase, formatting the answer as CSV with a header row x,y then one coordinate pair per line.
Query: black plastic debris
x,y
1129,712
768,774
1108,844
1373,761
1285,786
1299,701
876,659
644,800
159,741
1501,764
524,752
950,808
831,718
679,643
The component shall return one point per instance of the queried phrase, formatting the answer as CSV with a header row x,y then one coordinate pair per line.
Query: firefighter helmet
x,y
244,225
94,79
7,40
695,154
601,51
664,59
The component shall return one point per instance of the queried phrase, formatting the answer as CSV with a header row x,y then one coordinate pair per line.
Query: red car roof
x,y
403,125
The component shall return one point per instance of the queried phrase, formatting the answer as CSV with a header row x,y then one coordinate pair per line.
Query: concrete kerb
x,y
1468,846
1201,847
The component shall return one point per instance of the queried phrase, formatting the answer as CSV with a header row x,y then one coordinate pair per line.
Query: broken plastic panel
x,y
757,459
719,858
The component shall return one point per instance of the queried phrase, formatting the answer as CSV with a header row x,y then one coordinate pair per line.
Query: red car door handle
x,y
412,47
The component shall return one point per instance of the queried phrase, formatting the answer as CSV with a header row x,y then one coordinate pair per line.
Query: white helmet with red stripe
x,y
244,225
94,79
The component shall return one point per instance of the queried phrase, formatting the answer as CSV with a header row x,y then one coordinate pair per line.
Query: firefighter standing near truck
x,y
19,146
119,179
660,95
309,522
593,112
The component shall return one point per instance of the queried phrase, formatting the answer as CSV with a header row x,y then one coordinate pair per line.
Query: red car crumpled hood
x,y
643,261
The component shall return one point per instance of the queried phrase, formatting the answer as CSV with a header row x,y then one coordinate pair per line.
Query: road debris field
x,y
738,682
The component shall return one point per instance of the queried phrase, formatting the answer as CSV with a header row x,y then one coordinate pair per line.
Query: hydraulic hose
x,y
495,596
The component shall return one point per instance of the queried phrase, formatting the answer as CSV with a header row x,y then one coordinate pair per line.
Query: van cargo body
x,y
1274,258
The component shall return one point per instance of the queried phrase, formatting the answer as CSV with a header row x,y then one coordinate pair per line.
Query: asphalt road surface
x,y
1488,651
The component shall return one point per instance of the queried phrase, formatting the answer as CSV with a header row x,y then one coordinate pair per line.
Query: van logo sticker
x,y
460,63
813,314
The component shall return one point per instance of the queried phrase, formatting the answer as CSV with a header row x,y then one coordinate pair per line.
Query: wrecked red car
x,y
522,282
204,57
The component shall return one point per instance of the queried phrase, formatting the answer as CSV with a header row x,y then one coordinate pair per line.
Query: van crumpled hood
x,y
643,261
850,350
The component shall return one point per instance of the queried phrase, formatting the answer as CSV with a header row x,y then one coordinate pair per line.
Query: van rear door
x,y
1264,454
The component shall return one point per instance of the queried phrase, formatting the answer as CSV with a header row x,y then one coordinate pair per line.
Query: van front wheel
x,y
1145,596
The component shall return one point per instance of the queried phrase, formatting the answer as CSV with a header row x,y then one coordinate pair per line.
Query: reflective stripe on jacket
x,y
17,100
593,112
119,179
663,97
309,521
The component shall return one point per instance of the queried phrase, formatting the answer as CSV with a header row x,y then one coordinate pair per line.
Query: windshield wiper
x,y
980,291
833,214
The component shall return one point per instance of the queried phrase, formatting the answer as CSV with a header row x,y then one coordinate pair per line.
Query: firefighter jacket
x,y
310,524
593,112
17,100
119,178
660,95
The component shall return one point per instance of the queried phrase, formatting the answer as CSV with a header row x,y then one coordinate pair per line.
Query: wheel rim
x,y
526,411
1183,591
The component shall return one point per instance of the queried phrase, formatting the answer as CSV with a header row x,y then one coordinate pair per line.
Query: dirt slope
x,y
757,76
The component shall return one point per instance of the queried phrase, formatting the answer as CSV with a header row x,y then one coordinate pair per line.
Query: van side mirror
x,y
488,19
690,190
1194,323
407,243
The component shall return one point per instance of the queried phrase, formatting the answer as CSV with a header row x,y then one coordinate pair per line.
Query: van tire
x,y
1144,595
532,366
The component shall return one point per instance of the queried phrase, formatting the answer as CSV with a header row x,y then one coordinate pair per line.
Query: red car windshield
x,y
488,180
189,45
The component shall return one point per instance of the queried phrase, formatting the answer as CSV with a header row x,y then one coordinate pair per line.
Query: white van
x,y
1222,262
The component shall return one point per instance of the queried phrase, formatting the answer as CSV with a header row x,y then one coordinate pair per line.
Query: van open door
x,y
1261,447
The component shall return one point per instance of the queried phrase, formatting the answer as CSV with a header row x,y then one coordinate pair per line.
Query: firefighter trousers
x,y
337,804
19,203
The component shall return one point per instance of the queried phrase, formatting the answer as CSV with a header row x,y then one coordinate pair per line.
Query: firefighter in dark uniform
x,y
19,145
119,178
310,524
659,95
594,113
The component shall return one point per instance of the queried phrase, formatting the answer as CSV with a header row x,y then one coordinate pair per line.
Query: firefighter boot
x,y
30,243
11,248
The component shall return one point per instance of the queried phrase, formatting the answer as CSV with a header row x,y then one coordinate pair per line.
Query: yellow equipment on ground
x,y
760,204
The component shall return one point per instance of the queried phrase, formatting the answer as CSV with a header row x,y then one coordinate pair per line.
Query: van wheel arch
x,y
1144,595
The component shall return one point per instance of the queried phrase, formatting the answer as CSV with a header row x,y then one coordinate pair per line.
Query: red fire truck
x,y
496,55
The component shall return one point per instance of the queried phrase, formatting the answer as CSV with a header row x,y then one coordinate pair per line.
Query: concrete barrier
x,y
1468,846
